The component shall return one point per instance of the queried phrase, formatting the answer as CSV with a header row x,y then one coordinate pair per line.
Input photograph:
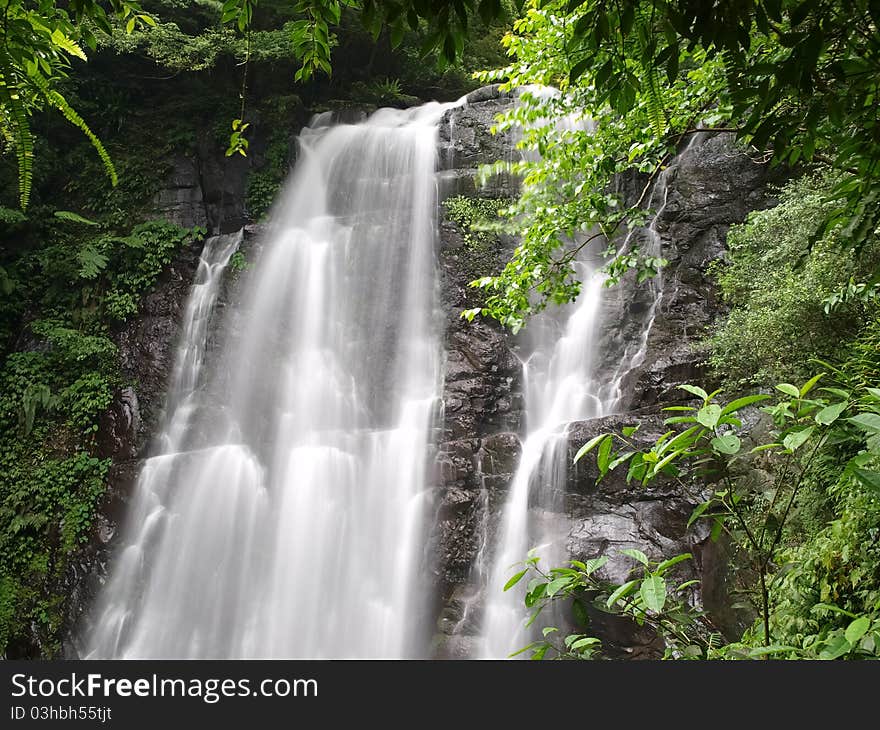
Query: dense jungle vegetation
x,y
96,98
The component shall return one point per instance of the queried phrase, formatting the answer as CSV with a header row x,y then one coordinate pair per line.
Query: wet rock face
x,y
710,186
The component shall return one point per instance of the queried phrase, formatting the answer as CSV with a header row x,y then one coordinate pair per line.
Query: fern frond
x,y
56,100
67,45
656,114
17,130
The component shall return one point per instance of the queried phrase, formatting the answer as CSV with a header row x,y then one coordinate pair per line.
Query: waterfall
x,y
285,513
561,386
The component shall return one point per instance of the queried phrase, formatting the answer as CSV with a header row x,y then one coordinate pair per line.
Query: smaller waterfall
x,y
148,512
561,386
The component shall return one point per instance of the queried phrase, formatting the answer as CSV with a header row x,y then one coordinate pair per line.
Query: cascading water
x,y
561,386
285,515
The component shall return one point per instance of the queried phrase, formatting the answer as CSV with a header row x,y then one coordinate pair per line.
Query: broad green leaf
x,y
667,459
795,440
584,642
515,579
764,447
727,444
875,392
696,390
635,555
629,430
789,389
835,648
603,456
857,629
709,414
667,564
830,414
698,512
653,592
589,446
810,384
682,441
739,403
547,630
870,479
867,422
554,586
621,592
619,459
819,607
594,564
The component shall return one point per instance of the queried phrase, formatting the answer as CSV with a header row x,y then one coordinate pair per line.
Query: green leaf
x,y
589,446
739,403
653,592
830,414
709,414
857,629
629,430
696,390
789,389
621,592
67,215
835,648
636,555
556,585
603,457
795,440
592,565
667,564
515,579
764,447
867,422
584,643
870,479
667,459
698,512
810,384
727,444
819,607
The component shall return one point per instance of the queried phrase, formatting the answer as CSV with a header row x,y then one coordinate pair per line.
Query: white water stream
x,y
284,515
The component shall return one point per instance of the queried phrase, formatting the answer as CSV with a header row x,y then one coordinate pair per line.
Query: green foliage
x,y
578,141
265,182
817,597
654,597
479,220
37,52
789,305
54,389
